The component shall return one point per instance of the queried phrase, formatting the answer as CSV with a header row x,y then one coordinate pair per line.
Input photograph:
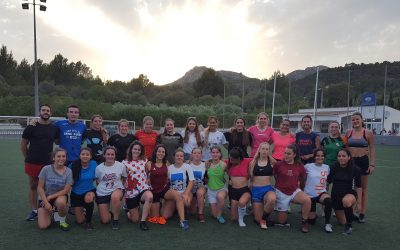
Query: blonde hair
x,y
257,158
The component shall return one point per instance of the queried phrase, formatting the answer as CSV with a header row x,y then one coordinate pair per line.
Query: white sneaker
x,y
328,228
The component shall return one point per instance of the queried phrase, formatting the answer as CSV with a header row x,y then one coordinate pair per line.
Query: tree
x,y
210,83
8,66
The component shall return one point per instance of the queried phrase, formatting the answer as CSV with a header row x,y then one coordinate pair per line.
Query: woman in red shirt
x,y
288,174
147,136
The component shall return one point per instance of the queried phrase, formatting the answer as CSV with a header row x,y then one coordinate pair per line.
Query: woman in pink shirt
x,y
239,192
281,140
260,132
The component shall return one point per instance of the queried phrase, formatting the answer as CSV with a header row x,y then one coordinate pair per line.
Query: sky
x,y
163,39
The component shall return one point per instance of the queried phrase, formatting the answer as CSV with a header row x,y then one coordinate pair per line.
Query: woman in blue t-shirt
x,y
83,190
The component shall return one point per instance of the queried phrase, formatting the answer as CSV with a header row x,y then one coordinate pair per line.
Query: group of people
x,y
152,176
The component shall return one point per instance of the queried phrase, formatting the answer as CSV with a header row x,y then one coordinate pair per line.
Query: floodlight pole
x,y
36,71
36,66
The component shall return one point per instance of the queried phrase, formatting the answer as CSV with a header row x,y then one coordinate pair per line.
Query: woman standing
x,y
181,179
122,139
315,188
333,143
288,174
239,136
239,192
147,136
212,137
191,137
110,176
83,190
199,190
260,132
262,193
54,185
362,149
344,175
158,172
217,190
96,138
170,139
137,189
281,140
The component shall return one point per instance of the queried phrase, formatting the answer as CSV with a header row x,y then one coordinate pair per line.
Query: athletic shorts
x,y
236,193
258,193
212,194
160,195
52,201
337,202
283,200
79,200
106,199
33,169
315,200
362,163
134,202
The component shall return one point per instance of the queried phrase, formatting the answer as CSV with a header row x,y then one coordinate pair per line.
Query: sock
x,y
89,211
242,213
265,216
62,219
348,212
304,221
327,210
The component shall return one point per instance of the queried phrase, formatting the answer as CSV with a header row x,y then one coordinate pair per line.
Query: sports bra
x,y
262,170
359,142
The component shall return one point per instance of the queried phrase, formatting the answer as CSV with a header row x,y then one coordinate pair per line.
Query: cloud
x,y
164,39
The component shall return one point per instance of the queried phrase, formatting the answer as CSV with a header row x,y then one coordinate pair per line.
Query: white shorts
x,y
283,200
212,194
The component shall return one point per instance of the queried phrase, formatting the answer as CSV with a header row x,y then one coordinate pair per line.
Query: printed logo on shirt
x,y
290,172
177,181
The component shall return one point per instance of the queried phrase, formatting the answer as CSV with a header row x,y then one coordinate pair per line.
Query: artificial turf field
x,y
379,232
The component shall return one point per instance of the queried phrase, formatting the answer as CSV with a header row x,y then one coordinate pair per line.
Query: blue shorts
x,y
257,193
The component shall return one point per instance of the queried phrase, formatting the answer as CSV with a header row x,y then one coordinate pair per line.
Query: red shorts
x,y
32,169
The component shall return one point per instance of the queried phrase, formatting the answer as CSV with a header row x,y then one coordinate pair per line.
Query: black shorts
x,y
79,200
132,203
158,196
362,163
315,200
236,193
337,202
106,198
52,201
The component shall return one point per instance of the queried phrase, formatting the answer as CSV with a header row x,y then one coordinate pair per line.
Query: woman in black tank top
x,y
263,194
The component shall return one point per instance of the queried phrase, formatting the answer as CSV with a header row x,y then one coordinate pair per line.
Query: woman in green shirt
x,y
333,143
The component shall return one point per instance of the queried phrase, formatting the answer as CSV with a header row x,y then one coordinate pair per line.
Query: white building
x,y
375,117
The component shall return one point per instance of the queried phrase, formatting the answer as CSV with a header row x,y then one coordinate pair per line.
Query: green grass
x,y
380,231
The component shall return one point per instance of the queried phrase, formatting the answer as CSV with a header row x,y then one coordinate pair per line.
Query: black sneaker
x,y
347,230
115,225
361,218
143,226
32,216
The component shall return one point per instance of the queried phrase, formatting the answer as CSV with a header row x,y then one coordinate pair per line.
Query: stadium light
x,y
42,7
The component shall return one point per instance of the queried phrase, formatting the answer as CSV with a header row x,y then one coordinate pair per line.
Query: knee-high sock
x,y
327,210
89,211
348,212
242,213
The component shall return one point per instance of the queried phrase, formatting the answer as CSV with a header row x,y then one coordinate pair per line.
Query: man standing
x,y
40,138
307,140
72,133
